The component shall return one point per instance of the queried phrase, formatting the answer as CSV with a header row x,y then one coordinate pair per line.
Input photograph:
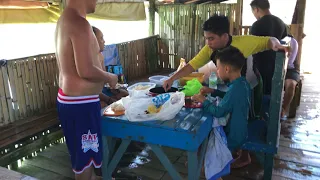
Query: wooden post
x,y
298,18
238,19
62,5
152,11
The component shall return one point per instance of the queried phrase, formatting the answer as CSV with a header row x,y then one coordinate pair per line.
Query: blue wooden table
x,y
187,131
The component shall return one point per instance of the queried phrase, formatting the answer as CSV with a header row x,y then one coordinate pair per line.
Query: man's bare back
x,y
77,52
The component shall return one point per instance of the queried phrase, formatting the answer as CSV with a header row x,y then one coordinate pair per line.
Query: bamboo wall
x,y
27,86
181,27
142,57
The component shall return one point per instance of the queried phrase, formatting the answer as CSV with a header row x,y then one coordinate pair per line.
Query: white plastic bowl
x,y
140,93
158,80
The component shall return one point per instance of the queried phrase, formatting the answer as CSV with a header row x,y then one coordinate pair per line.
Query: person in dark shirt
x,y
270,25
266,25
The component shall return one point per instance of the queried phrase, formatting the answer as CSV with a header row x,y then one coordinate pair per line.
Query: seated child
x,y
116,93
235,102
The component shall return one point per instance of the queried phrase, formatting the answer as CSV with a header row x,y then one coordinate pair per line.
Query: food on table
x,y
152,109
141,87
117,107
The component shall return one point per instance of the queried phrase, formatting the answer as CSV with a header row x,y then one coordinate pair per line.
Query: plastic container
x,y
158,80
142,90
199,76
213,81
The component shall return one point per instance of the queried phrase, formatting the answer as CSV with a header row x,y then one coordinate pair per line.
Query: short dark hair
x,y
217,24
95,30
262,4
231,56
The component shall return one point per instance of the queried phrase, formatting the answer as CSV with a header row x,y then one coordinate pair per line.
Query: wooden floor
x,y
298,156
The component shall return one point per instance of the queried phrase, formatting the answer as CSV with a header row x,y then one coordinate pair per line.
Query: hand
x,y
167,84
113,80
199,98
206,90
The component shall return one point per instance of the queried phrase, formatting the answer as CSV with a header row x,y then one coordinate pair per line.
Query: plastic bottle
x,y
213,80
182,64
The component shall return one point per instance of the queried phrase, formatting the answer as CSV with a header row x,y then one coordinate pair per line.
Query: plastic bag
x,y
218,157
192,87
165,106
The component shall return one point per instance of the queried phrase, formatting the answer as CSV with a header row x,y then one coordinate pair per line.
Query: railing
x,y
28,86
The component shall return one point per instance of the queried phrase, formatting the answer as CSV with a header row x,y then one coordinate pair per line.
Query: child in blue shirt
x,y
236,101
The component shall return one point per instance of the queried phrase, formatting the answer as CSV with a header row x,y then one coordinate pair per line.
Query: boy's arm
x,y
221,110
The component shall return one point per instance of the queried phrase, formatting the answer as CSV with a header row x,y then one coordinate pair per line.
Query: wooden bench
x,y
263,135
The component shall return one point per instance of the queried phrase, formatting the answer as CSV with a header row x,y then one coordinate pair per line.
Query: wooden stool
x,y
295,103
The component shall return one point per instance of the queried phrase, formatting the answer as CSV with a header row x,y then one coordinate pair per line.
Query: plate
x,y
109,112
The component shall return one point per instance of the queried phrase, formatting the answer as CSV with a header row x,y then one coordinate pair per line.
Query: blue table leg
x,y
268,167
202,155
117,156
165,161
106,158
192,165
108,145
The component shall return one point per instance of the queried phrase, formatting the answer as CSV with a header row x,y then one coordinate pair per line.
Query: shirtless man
x,y
81,79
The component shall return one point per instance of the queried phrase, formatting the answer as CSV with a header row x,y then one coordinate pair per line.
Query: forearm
x,y
186,70
273,43
96,74
216,111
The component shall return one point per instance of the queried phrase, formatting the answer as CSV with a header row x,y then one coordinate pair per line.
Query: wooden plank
x,y
296,167
28,86
30,148
43,70
32,85
37,128
8,94
40,84
18,91
22,103
41,173
4,106
25,87
48,164
57,156
12,79
7,174
25,125
61,148
36,84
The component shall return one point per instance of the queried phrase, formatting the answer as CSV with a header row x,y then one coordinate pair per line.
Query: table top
x,y
186,131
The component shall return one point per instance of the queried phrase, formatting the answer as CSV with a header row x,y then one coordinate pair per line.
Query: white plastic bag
x,y
218,157
136,107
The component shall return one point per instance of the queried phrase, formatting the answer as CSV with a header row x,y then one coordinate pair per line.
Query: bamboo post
x,y
22,103
4,107
7,95
25,88
298,18
10,65
152,10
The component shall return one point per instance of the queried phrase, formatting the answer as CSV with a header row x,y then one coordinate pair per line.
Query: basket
x,y
199,76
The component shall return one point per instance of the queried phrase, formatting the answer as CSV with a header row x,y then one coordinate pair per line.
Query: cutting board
x,y
109,112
